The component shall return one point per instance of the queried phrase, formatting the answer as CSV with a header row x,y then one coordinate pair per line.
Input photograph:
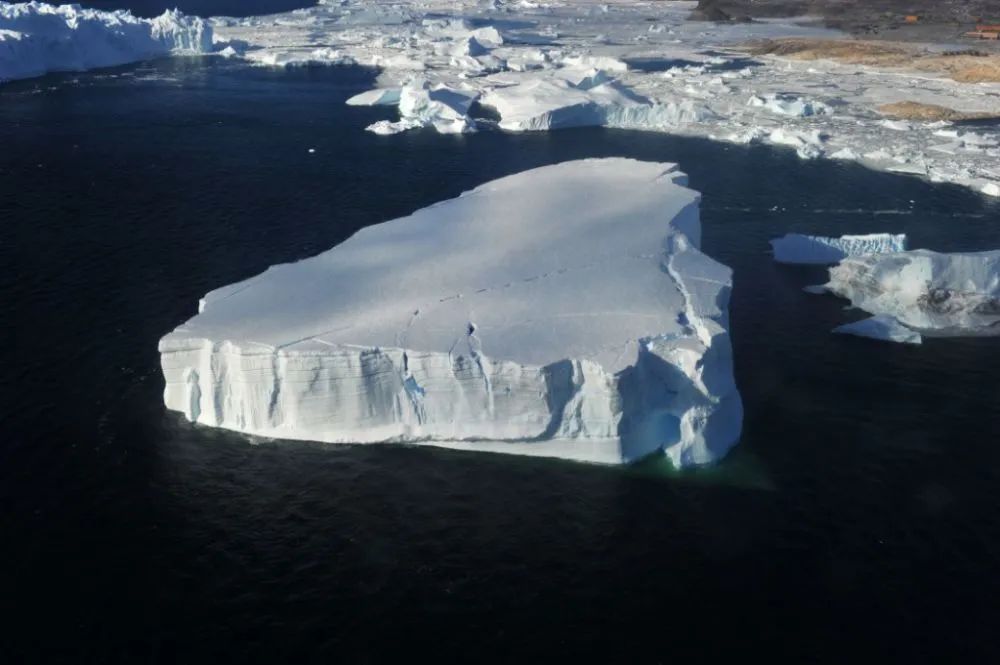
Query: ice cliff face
x,y
928,292
796,248
565,311
36,38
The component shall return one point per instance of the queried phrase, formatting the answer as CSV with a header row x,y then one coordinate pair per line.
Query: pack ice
x,y
36,38
927,292
566,311
546,65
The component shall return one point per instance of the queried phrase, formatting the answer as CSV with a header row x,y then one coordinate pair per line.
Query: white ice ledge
x,y
565,311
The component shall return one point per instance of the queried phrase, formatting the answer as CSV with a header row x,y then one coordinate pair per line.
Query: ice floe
x,y
565,311
881,327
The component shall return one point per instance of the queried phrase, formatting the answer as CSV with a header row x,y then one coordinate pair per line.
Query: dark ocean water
x,y
197,7
859,517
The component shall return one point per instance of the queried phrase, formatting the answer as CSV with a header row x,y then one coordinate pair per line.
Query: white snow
x,y
565,311
881,327
549,65
797,248
932,293
36,38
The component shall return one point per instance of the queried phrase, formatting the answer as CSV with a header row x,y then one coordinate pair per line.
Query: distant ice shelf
x,y
37,38
566,311
806,249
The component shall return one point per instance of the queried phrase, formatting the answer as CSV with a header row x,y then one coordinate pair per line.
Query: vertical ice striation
x,y
565,311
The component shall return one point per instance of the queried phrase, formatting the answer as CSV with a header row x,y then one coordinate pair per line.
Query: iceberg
x,y
881,327
423,105
932,293
37,38
805,249
565,311
582,99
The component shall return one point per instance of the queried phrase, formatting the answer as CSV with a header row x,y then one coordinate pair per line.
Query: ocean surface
x,y
859,518
197,7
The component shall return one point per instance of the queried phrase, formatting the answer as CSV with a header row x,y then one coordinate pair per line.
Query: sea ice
x,y
796,248
565,311
881,327
564,64
931,293
36,38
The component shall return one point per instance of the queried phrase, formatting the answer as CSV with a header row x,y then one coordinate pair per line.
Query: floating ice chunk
x,y
298,58
595,62
790,106
896,125
400,61
488,36
991,189
377,97
796,248
422,105
881,327
37,38
930,292
469,46
808,144
545,103
564,311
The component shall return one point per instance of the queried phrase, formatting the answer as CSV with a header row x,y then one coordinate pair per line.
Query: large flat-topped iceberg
x,y
36,38
565,311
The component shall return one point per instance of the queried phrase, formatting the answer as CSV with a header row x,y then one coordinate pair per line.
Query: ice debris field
x,y
542,65
564,311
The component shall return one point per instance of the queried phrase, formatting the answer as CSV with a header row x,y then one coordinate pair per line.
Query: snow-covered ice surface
x,y
932,293
806,249
544,65
36,38
564,311
881,327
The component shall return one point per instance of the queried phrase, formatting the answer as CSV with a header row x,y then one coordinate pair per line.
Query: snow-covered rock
x,y
797,248
881,327
565,311
36,38
932,293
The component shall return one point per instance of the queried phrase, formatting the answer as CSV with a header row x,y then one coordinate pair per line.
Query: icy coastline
x,y
637,65
565,311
